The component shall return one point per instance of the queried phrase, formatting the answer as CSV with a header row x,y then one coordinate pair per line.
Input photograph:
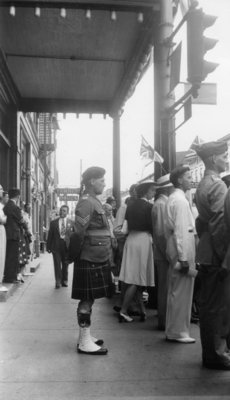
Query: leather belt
x,y
97,232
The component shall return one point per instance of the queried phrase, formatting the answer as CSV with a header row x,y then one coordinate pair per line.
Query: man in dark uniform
x,y
90,249
212,232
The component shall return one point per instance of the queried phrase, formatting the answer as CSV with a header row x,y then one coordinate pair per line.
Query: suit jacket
x,y
14,221
54,234
180,229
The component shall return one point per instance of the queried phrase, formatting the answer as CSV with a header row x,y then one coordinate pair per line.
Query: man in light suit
x,y
180,233
57,244
164,189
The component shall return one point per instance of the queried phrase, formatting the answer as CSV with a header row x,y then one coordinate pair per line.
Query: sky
x,y
83,142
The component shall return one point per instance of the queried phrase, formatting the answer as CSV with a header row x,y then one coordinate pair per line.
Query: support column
x,y
14,153
116,159
164,122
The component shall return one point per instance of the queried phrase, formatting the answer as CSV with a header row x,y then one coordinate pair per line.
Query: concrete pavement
x,y
38,358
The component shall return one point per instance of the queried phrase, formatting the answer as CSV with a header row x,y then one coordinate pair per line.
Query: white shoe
x,y
185,340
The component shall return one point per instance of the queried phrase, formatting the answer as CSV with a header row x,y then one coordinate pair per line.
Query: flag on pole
x,y
184,6
196,142
147,152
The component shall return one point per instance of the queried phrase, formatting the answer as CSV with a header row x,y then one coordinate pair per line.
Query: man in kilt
x,y
90,248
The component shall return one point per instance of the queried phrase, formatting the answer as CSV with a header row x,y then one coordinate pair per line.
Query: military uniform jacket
x,y
92,239
210,224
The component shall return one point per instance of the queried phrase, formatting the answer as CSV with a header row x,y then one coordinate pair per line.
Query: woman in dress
x,y
137,269
90,249
2,236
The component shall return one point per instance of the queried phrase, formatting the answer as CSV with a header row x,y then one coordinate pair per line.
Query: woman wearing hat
x,y
137,269
90,249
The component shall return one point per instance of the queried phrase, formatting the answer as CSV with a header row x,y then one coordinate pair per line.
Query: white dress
x,y
180,232
137,266
2,241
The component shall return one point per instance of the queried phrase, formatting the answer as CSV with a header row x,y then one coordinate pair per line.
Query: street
x,y
38,336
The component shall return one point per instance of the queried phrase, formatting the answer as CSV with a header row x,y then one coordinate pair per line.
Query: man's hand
x,y
184,267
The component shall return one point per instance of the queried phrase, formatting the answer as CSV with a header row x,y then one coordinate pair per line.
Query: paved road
x,y
38,358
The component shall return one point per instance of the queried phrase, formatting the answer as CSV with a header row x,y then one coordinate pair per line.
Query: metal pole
x,y
116,159
164,124
80,170
45,173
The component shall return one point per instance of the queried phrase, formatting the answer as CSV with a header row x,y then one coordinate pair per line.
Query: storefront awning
x,y
75,56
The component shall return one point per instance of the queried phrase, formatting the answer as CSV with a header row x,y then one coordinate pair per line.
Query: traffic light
x,y
198,45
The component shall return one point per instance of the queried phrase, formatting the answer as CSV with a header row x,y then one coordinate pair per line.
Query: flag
x,y
184,6
196,142
147,152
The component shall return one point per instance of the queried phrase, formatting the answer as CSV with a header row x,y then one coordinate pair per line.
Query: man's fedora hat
x,y
164,181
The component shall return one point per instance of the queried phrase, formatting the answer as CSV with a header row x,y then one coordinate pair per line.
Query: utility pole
x,y
116,158
45,172
80,170
164,121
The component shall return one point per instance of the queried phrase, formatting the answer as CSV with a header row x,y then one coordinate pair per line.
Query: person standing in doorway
x,y
57,244
2,237
211,197
14,224
180,233
90,249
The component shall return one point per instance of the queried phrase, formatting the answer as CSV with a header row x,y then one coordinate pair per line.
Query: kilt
x,y
91,280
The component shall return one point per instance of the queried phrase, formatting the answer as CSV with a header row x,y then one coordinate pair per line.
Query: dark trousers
x,y
60,263
214,312
12,261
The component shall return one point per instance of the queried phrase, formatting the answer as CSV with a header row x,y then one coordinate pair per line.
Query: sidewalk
x,y
38,358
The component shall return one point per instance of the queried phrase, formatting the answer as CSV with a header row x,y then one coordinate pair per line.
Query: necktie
x,y
62,233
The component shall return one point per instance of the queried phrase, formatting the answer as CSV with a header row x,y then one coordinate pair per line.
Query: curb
x,y
8,289
34,265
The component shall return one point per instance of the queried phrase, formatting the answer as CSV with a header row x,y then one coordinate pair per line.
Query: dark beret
x,y
92,173
206,150
14,192
177,173
143,188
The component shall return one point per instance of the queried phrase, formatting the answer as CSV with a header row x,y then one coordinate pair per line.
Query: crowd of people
x,y
153,239
15,237
158,239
